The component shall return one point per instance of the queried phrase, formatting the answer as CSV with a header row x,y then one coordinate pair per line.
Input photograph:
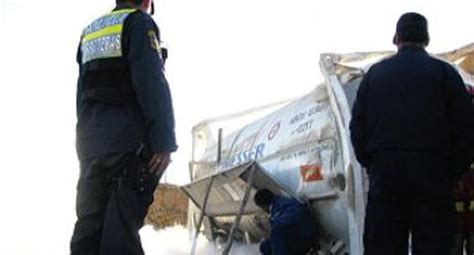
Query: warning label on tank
x,y
311,173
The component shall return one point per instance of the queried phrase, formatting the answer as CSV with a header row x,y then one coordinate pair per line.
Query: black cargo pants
x,y
410,194
113,195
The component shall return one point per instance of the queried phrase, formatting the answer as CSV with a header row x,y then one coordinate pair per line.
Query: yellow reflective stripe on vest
x,y
121,11
459,206
109,19
103,37
471,206
111,30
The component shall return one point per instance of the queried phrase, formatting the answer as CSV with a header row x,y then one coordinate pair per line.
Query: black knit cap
x,y
263,197
412,27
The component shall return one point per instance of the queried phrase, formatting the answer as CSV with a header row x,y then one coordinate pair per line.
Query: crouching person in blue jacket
x,y
292,228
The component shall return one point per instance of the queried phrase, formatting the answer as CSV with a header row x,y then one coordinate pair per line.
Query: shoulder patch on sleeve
x,y
154,42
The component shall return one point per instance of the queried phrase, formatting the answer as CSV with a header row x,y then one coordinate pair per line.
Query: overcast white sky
x,y
225,56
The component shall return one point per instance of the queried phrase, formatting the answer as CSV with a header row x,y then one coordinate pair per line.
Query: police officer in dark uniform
x,y
412,129
125,128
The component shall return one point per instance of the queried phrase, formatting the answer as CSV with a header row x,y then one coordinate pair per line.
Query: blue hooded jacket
x,y
288,211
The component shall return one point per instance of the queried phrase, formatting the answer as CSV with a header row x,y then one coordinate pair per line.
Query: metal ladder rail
x,y
236,223
206,197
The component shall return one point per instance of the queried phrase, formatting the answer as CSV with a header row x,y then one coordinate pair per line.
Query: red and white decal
x,y
311,173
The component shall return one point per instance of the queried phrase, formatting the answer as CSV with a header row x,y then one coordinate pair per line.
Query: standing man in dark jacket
x,y
125,129
412,129
292,229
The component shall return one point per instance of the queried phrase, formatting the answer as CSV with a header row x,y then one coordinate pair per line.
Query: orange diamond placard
x,y
311,173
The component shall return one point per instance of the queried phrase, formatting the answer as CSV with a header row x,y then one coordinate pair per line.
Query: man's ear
x,y
395,39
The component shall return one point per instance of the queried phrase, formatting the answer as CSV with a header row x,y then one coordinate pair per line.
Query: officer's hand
x,y
159,162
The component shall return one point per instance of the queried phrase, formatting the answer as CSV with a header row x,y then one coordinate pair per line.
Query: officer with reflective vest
x,y
125,128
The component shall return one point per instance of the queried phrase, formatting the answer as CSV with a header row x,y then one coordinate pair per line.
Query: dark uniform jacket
x,y
125,101
293,230
413,102
287,211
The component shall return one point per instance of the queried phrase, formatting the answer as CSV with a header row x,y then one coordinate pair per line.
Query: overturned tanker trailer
x,y
298,148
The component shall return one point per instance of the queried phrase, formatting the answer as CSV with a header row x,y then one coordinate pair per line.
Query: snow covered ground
x,y
176,241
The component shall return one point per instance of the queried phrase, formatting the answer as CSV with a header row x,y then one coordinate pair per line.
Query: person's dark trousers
x,y
410,193
265,247
288,240
113,196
